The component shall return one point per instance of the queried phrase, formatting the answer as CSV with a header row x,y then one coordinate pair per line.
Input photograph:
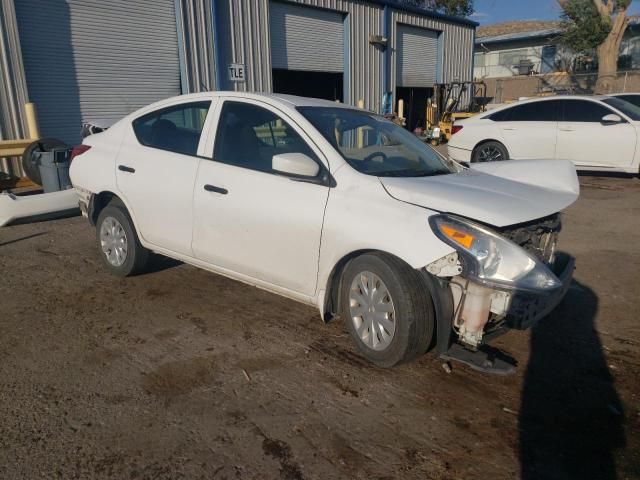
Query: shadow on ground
x,y
158,263
571,419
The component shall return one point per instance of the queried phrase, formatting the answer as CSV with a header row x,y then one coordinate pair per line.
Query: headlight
x,y
492,259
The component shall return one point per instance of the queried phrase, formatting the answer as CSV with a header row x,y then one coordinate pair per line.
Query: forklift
x,y
445,107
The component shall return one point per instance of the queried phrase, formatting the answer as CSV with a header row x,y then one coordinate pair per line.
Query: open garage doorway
x,y
307,51
326,85
415,105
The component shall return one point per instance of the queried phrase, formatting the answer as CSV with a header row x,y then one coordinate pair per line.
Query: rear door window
x,y
175,129
546,111
583,111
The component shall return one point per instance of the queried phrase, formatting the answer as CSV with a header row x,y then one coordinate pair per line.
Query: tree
x,y
600,25
458,8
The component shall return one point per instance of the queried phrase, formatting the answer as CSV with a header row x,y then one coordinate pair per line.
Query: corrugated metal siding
x,y
417,56
13,87
457,45
243,25
245,38
91,60
195,24
307,39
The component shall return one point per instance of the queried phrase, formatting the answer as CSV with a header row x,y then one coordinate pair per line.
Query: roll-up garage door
x,y
306,39
417,56
96,60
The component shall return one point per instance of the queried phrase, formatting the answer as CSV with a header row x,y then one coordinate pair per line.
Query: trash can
x,y
54,169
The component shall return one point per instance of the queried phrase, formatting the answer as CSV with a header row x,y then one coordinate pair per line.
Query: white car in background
x,y
595,132
335,207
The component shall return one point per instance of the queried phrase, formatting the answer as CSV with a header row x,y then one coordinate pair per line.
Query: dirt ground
x,y
181,373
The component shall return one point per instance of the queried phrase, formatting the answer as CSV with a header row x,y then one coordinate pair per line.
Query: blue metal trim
x,y
184,74
217,50
346,45
440,59
386,59
473,58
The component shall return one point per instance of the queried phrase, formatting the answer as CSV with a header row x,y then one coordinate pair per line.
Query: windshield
x,y
375,146
629,109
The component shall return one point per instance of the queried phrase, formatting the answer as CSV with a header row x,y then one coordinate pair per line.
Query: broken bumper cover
x,y
15,208
528,308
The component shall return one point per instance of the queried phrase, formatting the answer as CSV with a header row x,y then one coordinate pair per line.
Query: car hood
x,y
496,193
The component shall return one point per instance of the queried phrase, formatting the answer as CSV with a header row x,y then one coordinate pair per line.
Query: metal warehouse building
x,y
96,60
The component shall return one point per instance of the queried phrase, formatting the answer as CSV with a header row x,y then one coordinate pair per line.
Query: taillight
x,y
455,129
78,150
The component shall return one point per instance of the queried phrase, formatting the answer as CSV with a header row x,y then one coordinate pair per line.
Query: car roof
x,y
506,106
561,97
289,100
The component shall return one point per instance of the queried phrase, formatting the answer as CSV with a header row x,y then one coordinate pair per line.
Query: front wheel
x,y
118,242
387,309
490,152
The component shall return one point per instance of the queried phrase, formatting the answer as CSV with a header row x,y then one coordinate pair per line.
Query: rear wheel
x,y
387,309
118,242
490,152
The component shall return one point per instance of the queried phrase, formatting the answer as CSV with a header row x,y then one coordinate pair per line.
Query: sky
x,y
495,11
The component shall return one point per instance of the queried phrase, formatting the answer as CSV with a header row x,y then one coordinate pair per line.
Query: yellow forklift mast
x,y
450,102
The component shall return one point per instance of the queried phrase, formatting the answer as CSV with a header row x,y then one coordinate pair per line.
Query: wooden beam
x,y
14,148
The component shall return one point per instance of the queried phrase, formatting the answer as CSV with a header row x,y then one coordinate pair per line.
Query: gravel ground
x,y
181,373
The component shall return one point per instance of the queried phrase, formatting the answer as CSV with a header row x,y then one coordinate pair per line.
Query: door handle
x,y
214,189
509,128
566,129
124,168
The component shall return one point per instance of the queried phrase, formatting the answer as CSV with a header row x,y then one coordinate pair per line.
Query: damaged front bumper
x,y
494,314
482,313
527,308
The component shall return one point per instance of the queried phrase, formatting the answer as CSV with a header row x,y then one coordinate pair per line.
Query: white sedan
x,y
597,133
334,207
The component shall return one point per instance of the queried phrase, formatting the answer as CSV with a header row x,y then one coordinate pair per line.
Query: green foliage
x,y
584,28
458,8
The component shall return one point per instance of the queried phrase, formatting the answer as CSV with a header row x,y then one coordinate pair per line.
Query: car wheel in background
x,y
387,309
29,164
118,242
490,152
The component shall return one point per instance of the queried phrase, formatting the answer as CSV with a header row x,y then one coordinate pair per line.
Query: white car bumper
x,y
14,207
459,154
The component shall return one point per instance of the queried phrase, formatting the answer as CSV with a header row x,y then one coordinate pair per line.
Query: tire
x,y
407,305
113,222
489,152
28,163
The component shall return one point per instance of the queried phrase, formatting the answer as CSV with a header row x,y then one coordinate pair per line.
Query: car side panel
x,y
361,215
530,140
475,131
459,154
94,170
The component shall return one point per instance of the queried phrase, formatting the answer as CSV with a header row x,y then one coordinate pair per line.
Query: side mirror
x,y
297,164
611,119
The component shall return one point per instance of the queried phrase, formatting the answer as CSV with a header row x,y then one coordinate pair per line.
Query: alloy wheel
x,y
113,240
372,311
